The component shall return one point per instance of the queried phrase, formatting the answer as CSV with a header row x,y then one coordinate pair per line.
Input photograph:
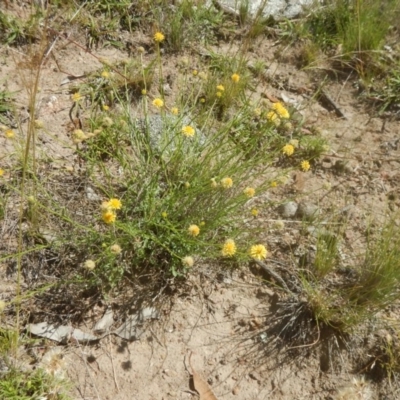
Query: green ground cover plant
x,y
174,177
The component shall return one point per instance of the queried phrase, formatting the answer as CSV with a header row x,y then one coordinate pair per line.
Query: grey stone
x,y
288,210
278,9
307,210
165,133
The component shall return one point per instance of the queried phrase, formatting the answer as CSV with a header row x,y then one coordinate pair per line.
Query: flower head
x,y
76,97
288,149
219,94
188,261
254,212
116,249
109,216
164,214
158,103
159,37
220,88
203,75
78,136
193,230
53,363
274,184
195,72
227,182
89,265
144,92
106,107
1,172
105,74
305,165
229,248
235,78
188,131
258,252
175,110
114,204
272,116
107,121
279,224
249,192
39,124
281,110
9,133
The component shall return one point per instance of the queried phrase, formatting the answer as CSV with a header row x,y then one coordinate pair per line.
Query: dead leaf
x,y
201,386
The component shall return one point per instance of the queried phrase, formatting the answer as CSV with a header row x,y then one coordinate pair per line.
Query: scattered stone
x,y
265,292
276,9
307,211
165,133
254,375
235,391
288,210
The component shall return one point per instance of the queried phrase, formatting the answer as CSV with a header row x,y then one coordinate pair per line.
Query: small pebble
x,y
288,210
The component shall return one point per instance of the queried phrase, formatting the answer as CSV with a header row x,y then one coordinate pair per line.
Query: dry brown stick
x,y
325,98
274,275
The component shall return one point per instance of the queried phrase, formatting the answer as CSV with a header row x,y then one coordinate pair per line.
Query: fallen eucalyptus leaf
x,y
202,387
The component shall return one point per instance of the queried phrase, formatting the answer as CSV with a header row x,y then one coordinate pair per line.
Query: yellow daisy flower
x,y
193,230
305,165
106,107
254,212
288,149
249,192
1,172
164,214
188,131
175,110
116,249
219,94
281,110
235,78
76,97
105,74
227,182
229,248
220,88
9,133
272,116
258,252
158,103
188,261
89,265
114,204
109,216
159,37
